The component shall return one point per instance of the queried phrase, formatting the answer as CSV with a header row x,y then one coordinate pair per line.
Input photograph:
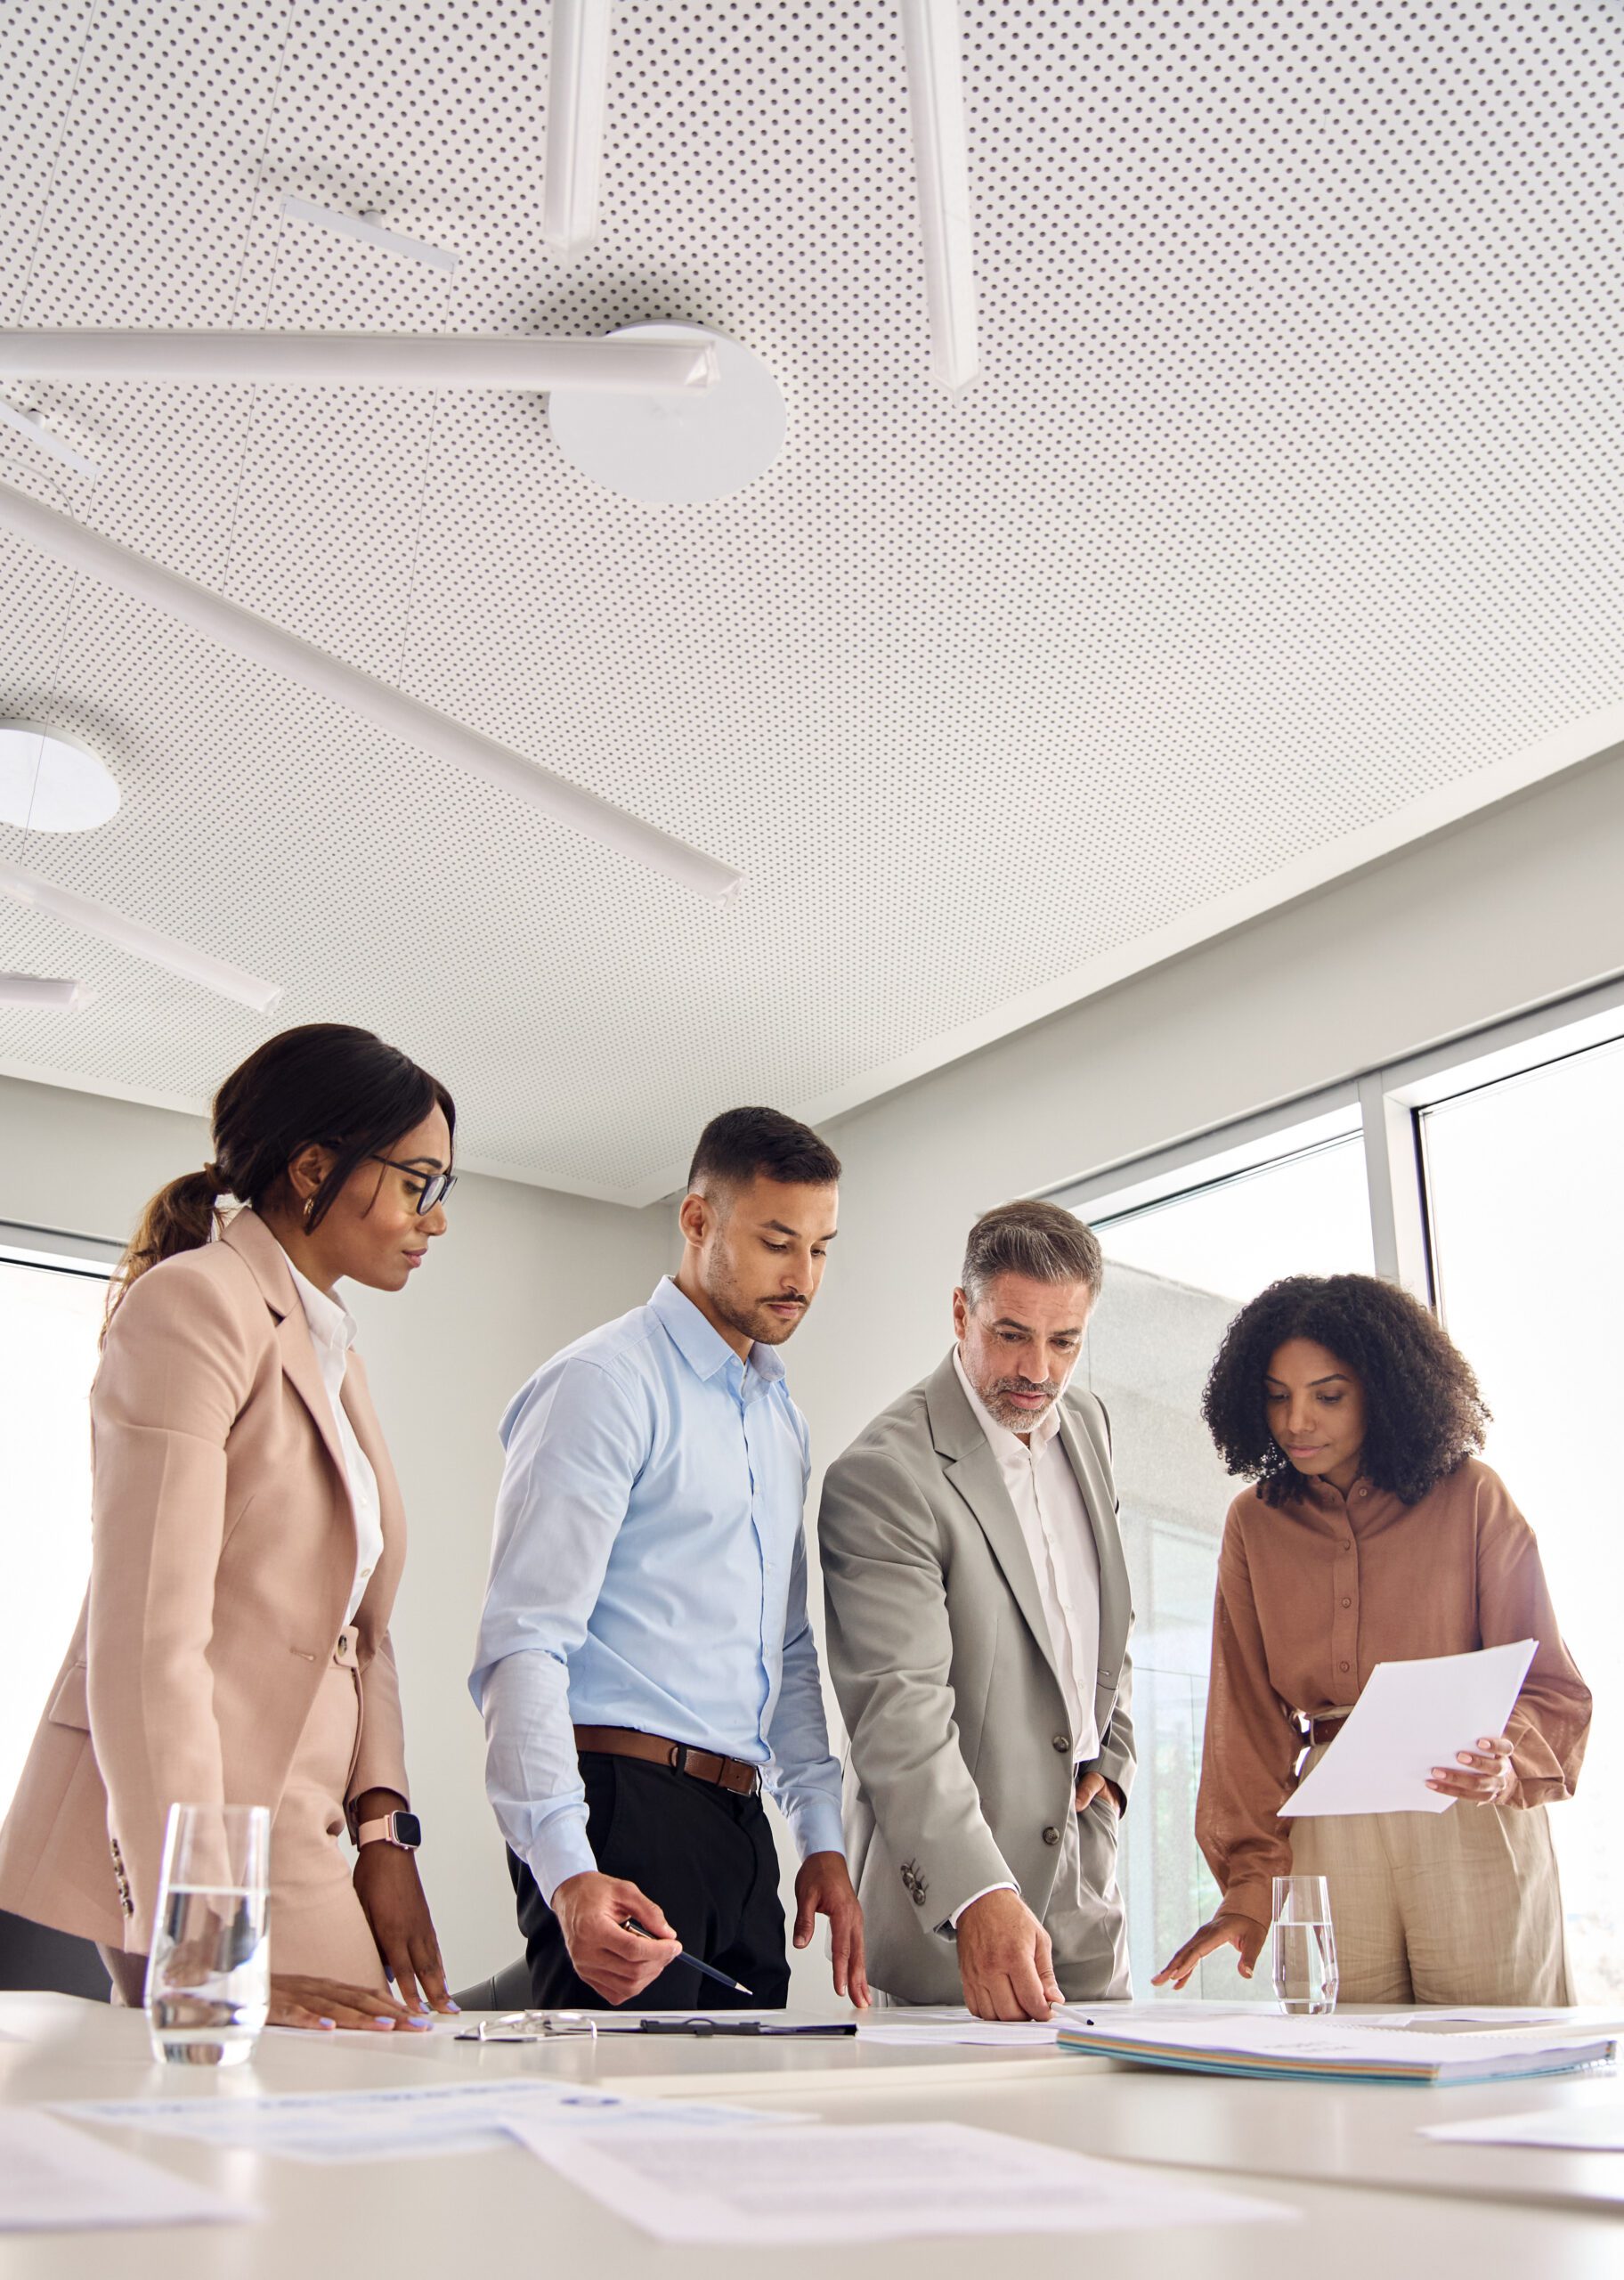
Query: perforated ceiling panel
x,y
1293,496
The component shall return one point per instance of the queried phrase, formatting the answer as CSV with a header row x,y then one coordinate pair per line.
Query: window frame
x,y
1384,1105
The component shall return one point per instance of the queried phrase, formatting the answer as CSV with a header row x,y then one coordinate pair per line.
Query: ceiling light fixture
x,y
676,451
577,98
941,161
361,360
31,425
251,636
140,941
36,989
48,784
370,231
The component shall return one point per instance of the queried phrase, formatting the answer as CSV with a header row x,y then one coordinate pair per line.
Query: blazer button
x,y
1062,1743
1052,1837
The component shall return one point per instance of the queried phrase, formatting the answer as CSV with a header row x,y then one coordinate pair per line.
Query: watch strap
x,y
382,1831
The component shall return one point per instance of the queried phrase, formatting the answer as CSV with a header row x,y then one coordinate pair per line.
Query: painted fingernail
x,y
384,2026
327,2022
453,2006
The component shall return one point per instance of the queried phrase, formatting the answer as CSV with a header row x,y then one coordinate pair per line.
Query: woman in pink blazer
x,y
248,1538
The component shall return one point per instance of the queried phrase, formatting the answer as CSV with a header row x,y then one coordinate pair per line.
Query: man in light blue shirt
x,y
645,1661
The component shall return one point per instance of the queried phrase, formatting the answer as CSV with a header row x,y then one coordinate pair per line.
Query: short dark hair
x,y
1039,1240
1424,1414
742,1143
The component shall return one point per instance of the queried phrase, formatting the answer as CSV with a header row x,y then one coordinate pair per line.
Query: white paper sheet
x,y
405,2124
56,2179
1585,2129
885,2181
924,2025
1410,1717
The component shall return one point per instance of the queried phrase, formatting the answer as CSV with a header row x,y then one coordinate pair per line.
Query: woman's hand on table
x,y
1482,1776
391,1895
1243,1932
298,1999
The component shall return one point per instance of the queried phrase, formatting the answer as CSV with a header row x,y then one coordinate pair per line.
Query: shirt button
x,y
1342,1666
1052,1837
1062,1743
1347,1602
1348,1546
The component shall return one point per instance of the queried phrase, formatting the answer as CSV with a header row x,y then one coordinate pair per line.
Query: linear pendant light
x,y
577,99
361,360
941,161
40,991
251,636
140,941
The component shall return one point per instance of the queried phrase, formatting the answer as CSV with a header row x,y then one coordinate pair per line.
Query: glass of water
x,y
1304,1947
208,1982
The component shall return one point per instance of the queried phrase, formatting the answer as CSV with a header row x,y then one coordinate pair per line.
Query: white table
x,y
489,2213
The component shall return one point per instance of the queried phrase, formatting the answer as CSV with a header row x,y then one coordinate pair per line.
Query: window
x,y
1484,1178
1527,1228
1179,1266
50,1308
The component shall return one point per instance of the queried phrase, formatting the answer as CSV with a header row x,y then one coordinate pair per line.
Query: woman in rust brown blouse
x,y
1373,1534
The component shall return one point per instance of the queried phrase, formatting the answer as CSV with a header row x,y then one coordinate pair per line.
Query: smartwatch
x,y
402,1830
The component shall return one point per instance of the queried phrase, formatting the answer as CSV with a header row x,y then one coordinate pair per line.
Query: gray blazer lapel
x,y
973,1471
1115,1592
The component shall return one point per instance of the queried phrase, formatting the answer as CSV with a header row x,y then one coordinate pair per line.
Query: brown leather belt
x,y
1324,1729
730,1774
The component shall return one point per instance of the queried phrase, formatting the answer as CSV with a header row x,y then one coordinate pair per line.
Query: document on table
x,y
403,2124
873,2182
1584,2128
1410,1717
1327,2049
56,2179
911,2026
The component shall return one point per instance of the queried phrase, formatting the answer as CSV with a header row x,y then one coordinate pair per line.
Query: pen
x,y
630,1924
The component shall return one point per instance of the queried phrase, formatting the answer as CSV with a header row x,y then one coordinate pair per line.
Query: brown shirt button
x,y
1052,1837
1342,1666
1347,1602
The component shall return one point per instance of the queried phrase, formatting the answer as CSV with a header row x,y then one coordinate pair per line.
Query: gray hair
x,y
1032,1238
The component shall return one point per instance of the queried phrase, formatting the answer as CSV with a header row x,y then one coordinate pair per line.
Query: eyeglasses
x,y
434,1188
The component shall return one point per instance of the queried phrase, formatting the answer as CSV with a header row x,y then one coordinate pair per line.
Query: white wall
x,y
519,1274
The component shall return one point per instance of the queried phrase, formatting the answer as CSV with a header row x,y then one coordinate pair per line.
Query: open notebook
x,y
1331,2050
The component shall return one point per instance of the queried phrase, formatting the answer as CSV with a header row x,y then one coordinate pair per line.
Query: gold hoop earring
x,y
310,1205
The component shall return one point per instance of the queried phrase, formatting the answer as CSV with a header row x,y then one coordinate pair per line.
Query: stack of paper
x,y
1325,2049
57,2179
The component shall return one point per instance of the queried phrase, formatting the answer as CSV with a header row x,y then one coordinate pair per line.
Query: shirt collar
x,y
1006,1445
700,1343
331,1324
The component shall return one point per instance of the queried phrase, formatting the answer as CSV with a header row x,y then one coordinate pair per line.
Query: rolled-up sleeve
x,y
575,1438
1551,1722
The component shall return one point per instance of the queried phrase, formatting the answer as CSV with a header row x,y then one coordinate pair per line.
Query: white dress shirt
x,y
332,1333
1059,1541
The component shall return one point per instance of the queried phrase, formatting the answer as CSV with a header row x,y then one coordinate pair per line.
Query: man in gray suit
x,y
978,1617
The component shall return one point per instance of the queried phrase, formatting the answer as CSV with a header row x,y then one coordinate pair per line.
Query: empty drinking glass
x,y
208,1984
1304,1947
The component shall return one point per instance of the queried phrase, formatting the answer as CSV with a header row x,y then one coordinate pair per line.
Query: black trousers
x,y
705,1856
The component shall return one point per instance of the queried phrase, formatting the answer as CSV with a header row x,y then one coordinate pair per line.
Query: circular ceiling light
x,y
47,784
675,450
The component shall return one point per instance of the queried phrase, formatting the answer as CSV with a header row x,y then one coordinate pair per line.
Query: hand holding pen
x,y
617,1964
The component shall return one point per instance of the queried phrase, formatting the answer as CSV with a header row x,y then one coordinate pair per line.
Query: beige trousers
x,y
1463,1907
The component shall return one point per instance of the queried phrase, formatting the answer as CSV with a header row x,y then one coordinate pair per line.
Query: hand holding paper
x,y
1410,1718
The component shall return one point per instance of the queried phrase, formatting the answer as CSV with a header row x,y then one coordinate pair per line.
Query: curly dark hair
x,y
1424,1413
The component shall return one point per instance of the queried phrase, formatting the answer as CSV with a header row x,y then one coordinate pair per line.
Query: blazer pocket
x,y
71,1703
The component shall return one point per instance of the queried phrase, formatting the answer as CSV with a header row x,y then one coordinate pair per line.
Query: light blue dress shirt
x,y
649,1570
